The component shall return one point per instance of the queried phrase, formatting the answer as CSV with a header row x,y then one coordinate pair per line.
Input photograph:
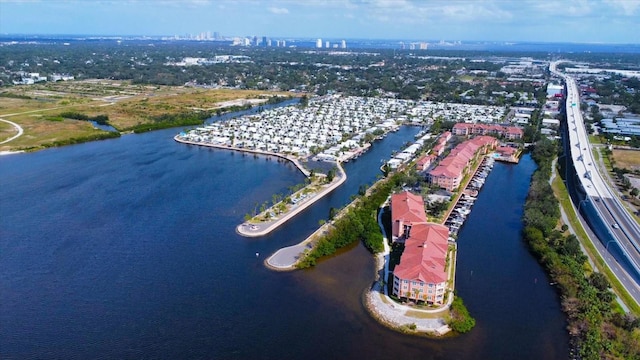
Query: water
x,y
103,127
126,248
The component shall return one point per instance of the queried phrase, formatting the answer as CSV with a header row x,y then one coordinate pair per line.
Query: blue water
x,y
126,248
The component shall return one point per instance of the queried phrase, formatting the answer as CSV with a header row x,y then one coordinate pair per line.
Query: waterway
x,y
126,248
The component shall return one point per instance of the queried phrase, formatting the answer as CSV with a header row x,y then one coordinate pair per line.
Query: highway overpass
x,y
608,218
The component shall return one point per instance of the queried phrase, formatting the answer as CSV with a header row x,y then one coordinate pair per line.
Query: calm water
x,y
126,248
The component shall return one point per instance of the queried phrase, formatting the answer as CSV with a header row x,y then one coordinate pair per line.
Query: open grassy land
x,y
37,108
627,159
6,130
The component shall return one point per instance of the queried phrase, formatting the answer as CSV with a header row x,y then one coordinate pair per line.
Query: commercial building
x,y
554,90
621,126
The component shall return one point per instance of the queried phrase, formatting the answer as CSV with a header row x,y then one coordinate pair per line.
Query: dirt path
x,y
18,127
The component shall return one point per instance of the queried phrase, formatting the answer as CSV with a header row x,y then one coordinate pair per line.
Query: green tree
x,y
461,321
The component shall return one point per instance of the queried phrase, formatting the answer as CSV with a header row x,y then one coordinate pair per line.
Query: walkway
x,y
250,229
18,127
259,152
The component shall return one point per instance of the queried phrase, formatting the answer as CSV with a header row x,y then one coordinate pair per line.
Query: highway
x,y
600,204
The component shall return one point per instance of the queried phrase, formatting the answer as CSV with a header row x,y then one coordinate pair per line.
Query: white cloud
x,y
278,10
627,7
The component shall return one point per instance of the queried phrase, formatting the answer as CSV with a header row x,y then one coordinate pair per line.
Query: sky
x,y
582,21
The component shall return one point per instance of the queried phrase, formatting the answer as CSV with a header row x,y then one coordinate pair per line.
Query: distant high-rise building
x,y
327,44
216,35
264,41
319,43
284,43
423,46
343,44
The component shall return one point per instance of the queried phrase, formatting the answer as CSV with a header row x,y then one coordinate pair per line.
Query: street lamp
x,y
607,246
580,204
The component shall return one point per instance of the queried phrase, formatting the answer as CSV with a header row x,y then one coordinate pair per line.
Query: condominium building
x,y
509,132
422,274
407,209
452,169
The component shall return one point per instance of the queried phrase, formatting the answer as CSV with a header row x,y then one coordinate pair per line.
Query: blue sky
x,y
591,21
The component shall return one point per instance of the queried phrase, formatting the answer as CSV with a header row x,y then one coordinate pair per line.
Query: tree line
x,y
596,329
358,223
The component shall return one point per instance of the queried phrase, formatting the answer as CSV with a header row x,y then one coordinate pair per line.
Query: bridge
x,y
610,222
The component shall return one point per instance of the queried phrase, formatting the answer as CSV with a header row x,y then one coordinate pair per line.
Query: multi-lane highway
x,y
609,219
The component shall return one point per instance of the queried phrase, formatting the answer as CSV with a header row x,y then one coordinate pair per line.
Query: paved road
x,y
627,281
617,224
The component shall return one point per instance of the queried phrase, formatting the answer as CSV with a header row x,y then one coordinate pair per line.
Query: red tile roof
x,y
424,256
407,207
484,129
506,150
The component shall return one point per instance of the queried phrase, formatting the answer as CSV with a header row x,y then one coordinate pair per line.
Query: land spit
x,y
250,229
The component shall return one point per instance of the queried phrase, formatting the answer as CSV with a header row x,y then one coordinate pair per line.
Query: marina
x,y
462,208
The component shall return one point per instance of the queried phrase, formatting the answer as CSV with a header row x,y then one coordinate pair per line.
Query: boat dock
x,y
462,208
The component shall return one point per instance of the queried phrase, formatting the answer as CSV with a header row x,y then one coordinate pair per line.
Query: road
x,y
18,127
617,226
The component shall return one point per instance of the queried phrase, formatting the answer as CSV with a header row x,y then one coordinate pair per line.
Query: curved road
x,y
18,127
617,225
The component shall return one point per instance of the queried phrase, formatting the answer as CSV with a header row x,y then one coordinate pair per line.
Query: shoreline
x,y
260,229
393,314
304,171
375,300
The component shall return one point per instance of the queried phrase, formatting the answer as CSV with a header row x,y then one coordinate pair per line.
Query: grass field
x,y
126,105
444,314
627,159
6,130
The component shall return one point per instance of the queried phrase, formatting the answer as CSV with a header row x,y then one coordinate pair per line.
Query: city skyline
x,y
580,21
